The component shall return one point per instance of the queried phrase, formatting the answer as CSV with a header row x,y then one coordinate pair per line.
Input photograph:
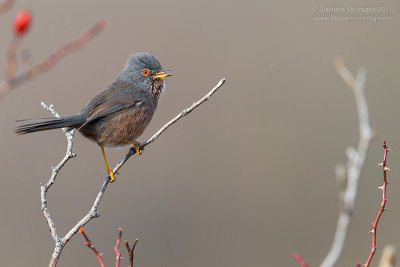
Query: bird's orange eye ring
x,y
145,72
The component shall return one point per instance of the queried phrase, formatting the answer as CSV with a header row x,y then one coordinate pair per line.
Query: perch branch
x,y
9,83
184,112
89,244
356,159
93,212
383,204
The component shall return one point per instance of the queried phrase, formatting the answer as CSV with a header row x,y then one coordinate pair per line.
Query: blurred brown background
x,y
245,180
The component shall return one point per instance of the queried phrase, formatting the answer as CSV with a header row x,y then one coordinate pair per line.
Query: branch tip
x,y
297,257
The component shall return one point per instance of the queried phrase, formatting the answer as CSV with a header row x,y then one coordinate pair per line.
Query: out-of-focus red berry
x,y
22,22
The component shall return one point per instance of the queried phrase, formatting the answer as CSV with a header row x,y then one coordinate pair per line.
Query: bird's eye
x,y
145,72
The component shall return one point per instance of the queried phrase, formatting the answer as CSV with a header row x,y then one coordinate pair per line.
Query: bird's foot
x,y
139,150
111,173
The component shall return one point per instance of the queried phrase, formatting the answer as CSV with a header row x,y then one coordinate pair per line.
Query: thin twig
x,y
116,248
356,159
383,204
130,251
89,244
93,213
297,257
11,57
6,5
7,84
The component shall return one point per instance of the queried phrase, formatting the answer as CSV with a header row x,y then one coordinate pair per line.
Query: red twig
x,y
130,251
8,84
300,260
62,51
383,203
116,248
11,62
89,245
6,5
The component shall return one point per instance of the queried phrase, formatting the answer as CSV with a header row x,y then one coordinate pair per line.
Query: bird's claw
x,y
110,172
139,150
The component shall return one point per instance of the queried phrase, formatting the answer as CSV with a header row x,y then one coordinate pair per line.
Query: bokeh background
x,y
245,180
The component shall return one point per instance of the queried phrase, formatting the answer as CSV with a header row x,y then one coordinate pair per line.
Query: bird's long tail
x,y
51,123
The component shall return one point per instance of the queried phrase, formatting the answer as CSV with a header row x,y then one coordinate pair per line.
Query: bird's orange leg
x,y
109,171
136,145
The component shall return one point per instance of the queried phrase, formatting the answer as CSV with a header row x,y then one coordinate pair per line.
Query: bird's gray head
x,y
145,72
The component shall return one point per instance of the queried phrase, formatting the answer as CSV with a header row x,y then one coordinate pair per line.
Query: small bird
x,y
120,114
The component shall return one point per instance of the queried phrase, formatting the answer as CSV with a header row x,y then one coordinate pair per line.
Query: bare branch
x,y
6,5
356,159
89,244
44,188
9,83
11,62
130,251
116,248
93,213
297,257
383,204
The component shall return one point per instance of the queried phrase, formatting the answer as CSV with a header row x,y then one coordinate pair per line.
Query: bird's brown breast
x,y
125,125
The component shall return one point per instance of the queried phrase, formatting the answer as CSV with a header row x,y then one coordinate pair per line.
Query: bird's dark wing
x,y
117,97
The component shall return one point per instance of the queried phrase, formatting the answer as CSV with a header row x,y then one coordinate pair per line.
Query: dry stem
x,y
297,257
356,159
89,244
11,81
383,203
130,251
6,5
116,248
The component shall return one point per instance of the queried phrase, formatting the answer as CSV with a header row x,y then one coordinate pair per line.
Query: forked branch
x,y
118,258
350,174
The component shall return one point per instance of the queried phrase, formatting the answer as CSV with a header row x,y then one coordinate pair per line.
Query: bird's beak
x,y
162,74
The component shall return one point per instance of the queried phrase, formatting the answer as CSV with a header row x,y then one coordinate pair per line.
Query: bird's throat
x,y
157,87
